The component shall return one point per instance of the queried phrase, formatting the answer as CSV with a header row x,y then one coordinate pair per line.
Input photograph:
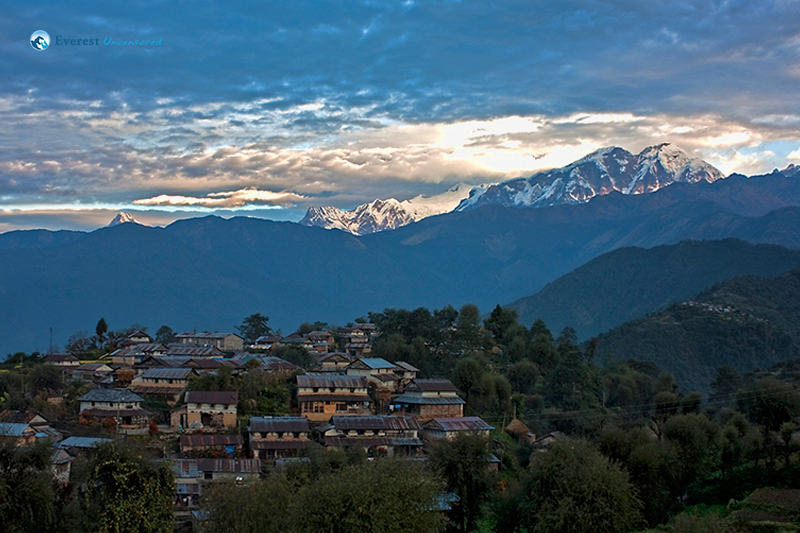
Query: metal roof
x,y
110,395
210,440
144,388
418,400
406,366
374,422
194,350
433,385
184,468
81,442
8,429
243,466
168,373
464,423
333,398
206,335
372,441
336,380
212,397
376,363
273,424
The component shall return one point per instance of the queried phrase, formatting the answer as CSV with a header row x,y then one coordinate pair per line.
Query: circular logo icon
x,y
40,40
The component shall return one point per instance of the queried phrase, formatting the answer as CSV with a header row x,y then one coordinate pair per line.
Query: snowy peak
x,y
599,173
123,218
381,215
371,217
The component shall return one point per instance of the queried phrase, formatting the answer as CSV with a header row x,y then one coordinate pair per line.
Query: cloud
x,y
224,200
375,99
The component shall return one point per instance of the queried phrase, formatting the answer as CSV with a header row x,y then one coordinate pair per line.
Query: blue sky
x,y
265,108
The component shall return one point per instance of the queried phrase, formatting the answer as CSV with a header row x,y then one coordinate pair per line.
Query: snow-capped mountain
x,y
123,218
599,173
380,215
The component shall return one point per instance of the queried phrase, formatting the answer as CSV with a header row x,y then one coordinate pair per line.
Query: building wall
x,y
427,412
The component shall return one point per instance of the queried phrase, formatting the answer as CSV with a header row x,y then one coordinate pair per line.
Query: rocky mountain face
x,y
381,215
607,170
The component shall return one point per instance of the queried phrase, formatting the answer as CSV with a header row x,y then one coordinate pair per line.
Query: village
x,y
160,392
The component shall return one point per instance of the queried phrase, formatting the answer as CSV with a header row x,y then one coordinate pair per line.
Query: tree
x,y
27,495
574,489
332,494
523,376
385,496
725,384
499,321
78,343
260,507
125,493
165,335
253,327
769,403
100,330
463,464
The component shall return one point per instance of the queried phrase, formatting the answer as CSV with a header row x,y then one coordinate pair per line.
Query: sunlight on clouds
x,y
727,139
230,199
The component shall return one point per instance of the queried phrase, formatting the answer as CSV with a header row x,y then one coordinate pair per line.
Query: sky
x,y
266,108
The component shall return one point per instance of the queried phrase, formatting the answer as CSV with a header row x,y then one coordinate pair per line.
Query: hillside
x,y
629,283
747,322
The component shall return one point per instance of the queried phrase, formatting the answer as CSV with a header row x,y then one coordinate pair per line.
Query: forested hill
x,y
629,283
747,322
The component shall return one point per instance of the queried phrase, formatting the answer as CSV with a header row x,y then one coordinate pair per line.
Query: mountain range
x,y
602,172
382,215
209,273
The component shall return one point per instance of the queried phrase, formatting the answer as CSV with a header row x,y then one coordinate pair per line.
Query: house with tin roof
x,y
450,428
375,434
430,398
322,395
17,434
227,342
122,405
275,437
206,410
205,444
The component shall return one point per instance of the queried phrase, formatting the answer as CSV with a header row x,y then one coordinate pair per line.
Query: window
x,y
280,434
208,475
296,434
315,389
341,406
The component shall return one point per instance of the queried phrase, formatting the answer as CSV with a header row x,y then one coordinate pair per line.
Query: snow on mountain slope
x,y
123,218
599,173
380,215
